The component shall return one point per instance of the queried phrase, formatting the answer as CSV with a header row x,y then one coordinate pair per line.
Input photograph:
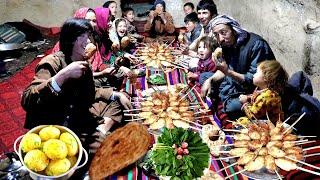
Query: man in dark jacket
x,y
242,51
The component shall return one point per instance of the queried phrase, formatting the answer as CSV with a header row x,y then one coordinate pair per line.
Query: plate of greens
x,y
180,154
157,79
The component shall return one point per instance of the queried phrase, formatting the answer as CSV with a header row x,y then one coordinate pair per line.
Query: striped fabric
x,y
173,77
178,76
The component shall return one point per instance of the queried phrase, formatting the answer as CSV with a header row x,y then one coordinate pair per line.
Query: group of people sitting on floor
x,y
79,85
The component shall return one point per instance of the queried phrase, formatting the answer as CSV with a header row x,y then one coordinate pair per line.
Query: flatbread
x,y
121,148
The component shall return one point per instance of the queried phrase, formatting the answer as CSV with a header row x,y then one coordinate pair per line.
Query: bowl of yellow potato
x,y
50,152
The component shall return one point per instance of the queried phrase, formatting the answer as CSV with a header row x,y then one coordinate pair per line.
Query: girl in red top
x,y
206,66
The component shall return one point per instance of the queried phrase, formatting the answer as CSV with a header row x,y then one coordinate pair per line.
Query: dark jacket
x,y
297,99
195,33
78,106
243,59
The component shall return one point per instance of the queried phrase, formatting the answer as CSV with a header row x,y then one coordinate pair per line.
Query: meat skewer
x,y
307,164
288,165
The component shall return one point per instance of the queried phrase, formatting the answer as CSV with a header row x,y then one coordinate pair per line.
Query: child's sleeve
x,y
212,66
257,109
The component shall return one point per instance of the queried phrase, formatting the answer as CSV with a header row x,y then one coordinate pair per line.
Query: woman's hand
x,y
126,71
123,99
192,76
73,71
132,58
109,71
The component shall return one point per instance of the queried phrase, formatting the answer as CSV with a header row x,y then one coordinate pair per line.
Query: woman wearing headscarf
x,y
159,22
62,91
89,14
241,53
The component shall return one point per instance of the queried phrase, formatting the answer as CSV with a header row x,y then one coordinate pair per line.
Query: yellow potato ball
x,y
72,159
55,149
30,141
49,132
57,167
36,160
71,143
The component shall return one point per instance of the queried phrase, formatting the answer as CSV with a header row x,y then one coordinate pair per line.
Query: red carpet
x,y
12,116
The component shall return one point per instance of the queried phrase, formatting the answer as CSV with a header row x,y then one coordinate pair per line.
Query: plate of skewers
x,y
155,55
169,107
262,149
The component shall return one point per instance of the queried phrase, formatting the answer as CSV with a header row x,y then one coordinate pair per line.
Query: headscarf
x,y
228,20
159,2
102,15
81,13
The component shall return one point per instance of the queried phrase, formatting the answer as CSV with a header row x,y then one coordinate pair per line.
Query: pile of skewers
x,y
263,145
155,55
167,109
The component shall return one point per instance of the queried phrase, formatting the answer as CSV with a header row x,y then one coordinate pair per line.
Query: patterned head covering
x,y
81,13
228,20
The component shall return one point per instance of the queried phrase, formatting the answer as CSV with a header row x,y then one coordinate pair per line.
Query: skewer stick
x,y
228,177
309,171
227,167
310,148
278,175
232,130
203,111
203,117
126,114
307,136
130,120
301,162
306,142
225,158
310,155
198,129
294,123
129,110
187,93
286,120
169,44
197,124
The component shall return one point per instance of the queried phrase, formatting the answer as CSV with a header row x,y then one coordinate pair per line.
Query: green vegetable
x,y
157,79
191,165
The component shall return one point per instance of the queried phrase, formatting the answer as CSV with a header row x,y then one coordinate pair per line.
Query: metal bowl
x,y
11,46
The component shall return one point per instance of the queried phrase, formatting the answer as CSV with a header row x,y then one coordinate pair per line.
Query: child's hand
x,y
244,98
192,76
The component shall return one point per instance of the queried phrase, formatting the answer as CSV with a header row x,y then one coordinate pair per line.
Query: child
x,y
206,66
270,80
128,15
112,5
193,27
188,8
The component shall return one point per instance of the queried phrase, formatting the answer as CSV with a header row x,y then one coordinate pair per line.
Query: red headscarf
x,y
102,15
